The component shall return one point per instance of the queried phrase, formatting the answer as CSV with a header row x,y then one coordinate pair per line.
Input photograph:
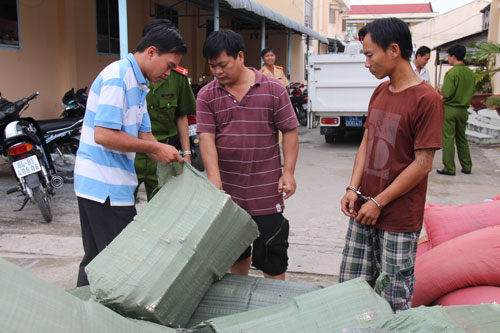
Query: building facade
x,y
52,46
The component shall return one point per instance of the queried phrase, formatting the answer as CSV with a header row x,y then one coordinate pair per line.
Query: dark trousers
x,y
100,223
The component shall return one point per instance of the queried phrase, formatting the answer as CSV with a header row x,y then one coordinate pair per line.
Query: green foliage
x,y
484,58
493,101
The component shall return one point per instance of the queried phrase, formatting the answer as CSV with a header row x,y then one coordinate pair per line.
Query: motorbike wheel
x,y
196,159
301,115
66,166
43,202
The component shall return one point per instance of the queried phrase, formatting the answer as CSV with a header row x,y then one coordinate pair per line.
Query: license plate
x,y
353,121
26,166
192,129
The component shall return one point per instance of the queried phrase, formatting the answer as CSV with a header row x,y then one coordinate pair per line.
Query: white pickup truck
x,y
339,90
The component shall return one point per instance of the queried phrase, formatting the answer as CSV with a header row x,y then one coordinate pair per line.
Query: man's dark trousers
x,y
100,224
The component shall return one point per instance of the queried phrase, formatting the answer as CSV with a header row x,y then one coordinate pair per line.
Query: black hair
x,y
155,23
166,39
266,50
385,31
422,51
458,51
223,40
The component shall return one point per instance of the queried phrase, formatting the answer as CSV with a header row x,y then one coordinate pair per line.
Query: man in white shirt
x,y
421,59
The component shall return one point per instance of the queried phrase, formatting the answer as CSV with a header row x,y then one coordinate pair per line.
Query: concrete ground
x,y
52,251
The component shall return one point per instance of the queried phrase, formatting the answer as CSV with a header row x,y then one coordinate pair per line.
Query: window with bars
x,y
164,12
108,30
308,13
9,24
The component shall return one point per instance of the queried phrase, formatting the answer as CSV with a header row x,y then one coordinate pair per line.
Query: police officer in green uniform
x,y
169,101
457,90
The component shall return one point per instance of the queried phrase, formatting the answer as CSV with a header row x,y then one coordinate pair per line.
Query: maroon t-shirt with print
x,y
246,138
398,124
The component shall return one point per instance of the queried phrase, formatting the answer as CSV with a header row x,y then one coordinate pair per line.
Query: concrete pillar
x,y
216,15
122,19
262,37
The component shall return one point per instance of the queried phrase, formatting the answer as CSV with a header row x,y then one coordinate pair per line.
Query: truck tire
x,y
43,202
329,138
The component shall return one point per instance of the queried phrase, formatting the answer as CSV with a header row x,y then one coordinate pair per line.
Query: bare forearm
x,y
210,158
145,143
409,178
123,142
359,162
290,150
183,128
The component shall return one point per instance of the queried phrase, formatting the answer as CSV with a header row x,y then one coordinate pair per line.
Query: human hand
x,y
348,203
167,153
368,213
187,158
287,185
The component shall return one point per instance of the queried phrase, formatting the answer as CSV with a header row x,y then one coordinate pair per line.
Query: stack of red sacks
x,y
459,261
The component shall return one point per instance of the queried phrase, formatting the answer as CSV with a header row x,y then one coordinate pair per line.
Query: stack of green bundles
x,y
160,266
352,304
28,304
238,293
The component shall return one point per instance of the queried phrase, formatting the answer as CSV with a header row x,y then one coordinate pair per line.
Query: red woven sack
x,y
443,223
469,260
470,296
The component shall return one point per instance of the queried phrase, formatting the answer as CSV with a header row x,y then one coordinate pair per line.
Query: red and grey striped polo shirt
x,y
246,137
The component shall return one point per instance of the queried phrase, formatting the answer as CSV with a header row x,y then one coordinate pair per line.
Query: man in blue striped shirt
x,y
116,126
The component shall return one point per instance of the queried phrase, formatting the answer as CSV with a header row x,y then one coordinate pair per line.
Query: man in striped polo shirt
x,y
115,127
238,118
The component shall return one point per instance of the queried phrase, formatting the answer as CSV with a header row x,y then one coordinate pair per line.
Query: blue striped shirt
x,y
117,100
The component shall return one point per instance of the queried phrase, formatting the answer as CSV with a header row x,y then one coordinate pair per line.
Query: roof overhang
x,y
256,8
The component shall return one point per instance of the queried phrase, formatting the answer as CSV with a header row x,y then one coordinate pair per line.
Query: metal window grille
x,y
108,30
9,24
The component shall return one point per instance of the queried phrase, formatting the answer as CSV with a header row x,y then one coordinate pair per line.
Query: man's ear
x,y
151,51
394,50
241,56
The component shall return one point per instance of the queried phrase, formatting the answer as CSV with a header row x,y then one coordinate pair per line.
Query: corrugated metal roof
x,y
414,8
254,7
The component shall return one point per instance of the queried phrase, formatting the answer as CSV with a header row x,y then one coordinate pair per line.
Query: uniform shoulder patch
x,y
181,70
278,67
261,70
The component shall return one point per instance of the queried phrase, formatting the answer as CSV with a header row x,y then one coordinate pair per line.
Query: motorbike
x,y
63,134
299,102
194,142
24,148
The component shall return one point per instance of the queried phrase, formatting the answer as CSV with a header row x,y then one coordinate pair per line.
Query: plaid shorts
x,y
369,252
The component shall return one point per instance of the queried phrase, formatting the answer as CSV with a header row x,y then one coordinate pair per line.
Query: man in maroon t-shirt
x,y
386,196
238,116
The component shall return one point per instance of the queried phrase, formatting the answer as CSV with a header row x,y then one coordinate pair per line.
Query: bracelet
x,y
352,188
375,202
186,152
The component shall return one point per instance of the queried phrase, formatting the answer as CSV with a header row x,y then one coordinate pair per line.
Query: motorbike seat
x,y
56,124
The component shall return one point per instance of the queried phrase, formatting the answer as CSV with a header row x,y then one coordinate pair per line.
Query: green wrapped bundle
x,y
238,293
456,318
352,304
28,304
160,266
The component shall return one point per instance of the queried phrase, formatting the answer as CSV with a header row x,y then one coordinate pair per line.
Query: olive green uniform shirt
x,y
166,100
459,86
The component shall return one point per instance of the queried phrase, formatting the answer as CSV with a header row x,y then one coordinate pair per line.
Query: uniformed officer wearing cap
x,y
169,101
269,57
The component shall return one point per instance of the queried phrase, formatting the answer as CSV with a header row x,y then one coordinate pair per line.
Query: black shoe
x,y
442,172
466,172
